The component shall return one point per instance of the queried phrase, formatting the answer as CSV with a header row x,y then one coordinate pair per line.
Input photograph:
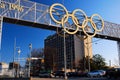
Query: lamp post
x,y
88,54
14,57
65,61
89,49
19,51
71,58
30,47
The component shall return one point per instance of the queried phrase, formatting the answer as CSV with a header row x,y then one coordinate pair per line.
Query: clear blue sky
x,y
109,10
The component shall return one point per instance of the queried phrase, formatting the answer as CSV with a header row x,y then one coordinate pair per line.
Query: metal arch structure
x,y
111,31
37,15
28,13
24,12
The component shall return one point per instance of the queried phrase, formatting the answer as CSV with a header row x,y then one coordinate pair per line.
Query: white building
x,y
3,68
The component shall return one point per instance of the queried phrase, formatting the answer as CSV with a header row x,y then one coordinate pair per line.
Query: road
x,y
69,79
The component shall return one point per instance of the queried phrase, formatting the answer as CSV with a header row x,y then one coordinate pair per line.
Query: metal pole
x,y
35,13
18,11
65,63
14,57
0,57
1,24
18,64
71,58
110,63
19,51
29,67
30,47
88,55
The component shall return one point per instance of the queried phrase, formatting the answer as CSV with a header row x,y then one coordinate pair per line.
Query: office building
x,y
76,50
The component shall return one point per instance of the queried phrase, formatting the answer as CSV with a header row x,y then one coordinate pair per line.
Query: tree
x,y
98,62
50,58
39,53
36,65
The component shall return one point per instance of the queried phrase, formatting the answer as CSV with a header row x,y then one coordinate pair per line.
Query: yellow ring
x,y
51,9
98,30
93,25
73,18
76,10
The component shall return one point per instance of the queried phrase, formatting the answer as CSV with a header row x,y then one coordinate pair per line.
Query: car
x,y
72,74
94,74
103,72
77,74
113,73
45,74
60,74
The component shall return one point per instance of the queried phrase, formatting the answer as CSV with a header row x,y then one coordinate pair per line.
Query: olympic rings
x,y
100,19
52,9
74,19
79,10
85,25
74,16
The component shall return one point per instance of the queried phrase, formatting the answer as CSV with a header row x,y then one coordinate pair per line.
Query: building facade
x,y
118,44
37,65
3,68
76,50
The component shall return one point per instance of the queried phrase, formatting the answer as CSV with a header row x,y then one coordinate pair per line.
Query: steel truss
x,y
31,11
39,13
111,30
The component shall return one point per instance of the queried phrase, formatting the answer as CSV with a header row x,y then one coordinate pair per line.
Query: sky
x,y
109,10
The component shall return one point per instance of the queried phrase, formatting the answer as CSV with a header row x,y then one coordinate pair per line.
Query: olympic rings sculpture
x,y
75,20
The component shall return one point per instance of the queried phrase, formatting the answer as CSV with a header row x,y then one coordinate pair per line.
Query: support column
x,y
1,22
118,45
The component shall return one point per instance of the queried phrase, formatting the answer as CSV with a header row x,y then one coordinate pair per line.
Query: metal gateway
x,y
28,13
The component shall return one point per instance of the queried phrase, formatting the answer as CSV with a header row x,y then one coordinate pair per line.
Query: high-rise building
x,y
76,50
118,44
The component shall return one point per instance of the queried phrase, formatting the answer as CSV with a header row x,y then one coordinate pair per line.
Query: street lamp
x,y
65,61
19,51
89,49
30,47
88,54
